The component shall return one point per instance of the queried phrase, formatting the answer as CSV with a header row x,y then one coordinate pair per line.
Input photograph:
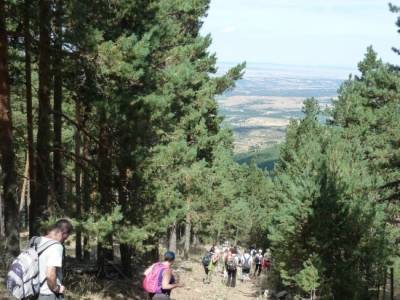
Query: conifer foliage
x,y
333,232
123,131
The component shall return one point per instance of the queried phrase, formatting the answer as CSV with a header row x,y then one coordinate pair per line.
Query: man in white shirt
x,y
51,260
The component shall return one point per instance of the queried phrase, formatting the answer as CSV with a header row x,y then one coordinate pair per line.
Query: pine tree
x,y
7,155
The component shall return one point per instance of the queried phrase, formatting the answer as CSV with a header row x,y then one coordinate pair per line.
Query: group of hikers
x,y
37,271
159,279
235,262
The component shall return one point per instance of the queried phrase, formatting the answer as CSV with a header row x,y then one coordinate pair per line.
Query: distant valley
x,y
261,105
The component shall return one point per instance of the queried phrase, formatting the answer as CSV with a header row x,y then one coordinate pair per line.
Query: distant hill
x,y
264,158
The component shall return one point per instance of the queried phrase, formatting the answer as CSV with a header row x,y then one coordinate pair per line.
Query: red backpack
x,y
153,281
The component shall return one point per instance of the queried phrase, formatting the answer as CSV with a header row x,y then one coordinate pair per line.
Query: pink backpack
x,y
153,281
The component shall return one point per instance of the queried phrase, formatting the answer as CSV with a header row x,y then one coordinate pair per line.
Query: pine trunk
x,y
23,207
384,284
172,238
29,117
391,284
86,182
57,120
188,228
104,187
125,249
40,199
236,236
7,155
86,188
126,259
78,194
2,233
378,291
195,240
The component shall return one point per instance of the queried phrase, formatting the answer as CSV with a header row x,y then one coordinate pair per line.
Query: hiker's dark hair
x,y
169,256
63,225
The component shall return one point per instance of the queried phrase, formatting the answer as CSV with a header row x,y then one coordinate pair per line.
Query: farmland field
x,y
262,104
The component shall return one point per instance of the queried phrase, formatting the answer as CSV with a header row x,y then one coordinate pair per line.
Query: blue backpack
x,y
206,259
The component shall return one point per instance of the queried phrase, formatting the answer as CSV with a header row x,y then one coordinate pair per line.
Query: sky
x,y
301,32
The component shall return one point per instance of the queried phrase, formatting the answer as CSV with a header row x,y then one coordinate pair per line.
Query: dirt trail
x,y
191,273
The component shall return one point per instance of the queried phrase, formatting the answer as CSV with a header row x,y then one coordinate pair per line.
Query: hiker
x,y
224,259
159,280
246,263
37,271
208,265
231,265
217,258
258,262
267,260
214,263
212,249
253,251
51,260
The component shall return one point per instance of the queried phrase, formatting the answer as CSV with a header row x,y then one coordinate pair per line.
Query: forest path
x,y
191,273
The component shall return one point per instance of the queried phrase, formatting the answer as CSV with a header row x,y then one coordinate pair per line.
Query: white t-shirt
x,y
51,257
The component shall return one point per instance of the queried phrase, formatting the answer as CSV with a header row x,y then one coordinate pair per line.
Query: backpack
x,y
246,263
206,259
153,281
23,275
231,263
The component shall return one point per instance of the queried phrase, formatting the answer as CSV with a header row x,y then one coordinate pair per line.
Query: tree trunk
x,y
125,249
78,245
384,284
23,207
6,147
154,254
86,188
29,118
378,291
391,284
57,120
236,236
172,238
40,199
195,239
2,233
126,259
105,169
188,228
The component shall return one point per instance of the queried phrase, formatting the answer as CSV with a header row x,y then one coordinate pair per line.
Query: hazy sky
x,y
301,32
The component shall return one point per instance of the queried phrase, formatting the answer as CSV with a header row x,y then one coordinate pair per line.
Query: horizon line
x,y
289,65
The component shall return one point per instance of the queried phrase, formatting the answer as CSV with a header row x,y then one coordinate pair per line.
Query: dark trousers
x,y
258,268
206,270
231,278
160,297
